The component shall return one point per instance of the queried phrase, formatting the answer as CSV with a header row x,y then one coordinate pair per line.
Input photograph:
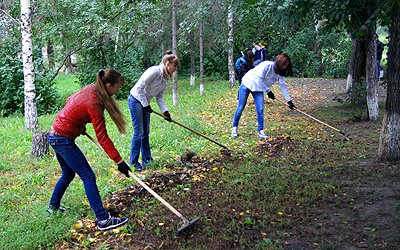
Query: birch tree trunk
x,y
175,50
349,84
371,72
31,118
231,66
201,59
317,46
192,62
389,145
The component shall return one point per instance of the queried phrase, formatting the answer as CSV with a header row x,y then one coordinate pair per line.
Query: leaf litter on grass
x,y
358,206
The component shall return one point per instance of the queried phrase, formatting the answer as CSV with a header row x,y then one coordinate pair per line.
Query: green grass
x,y
27,182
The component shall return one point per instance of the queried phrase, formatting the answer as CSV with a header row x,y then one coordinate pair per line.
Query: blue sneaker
x,y
234,132
110,223
52,210
138,167
262,135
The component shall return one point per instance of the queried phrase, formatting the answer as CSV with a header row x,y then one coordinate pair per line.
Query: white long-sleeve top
x,y
151,84
263,76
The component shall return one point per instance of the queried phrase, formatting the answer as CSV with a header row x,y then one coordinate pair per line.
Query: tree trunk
x,y
40,145
349,84
317,47
192,62
50,54
68,61
175,50
231,65
371,76
389,145
31,117
201,59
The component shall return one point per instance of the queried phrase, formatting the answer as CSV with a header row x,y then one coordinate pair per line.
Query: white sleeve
x,y
284,89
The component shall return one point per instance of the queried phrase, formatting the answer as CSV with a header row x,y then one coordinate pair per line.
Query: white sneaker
x,y
261,134
234,132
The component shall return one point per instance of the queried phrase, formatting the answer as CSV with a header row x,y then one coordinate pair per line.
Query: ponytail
x,y
113,77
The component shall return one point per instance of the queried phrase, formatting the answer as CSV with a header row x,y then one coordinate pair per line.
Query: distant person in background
x,y
87,106
152,83
258,80
264,52
244,64
257,53
379,49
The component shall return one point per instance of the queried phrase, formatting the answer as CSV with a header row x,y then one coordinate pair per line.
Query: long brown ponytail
x,y
111,76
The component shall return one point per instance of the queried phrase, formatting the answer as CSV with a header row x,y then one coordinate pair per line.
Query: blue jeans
x,y
141,131
73,161
259,101
379,68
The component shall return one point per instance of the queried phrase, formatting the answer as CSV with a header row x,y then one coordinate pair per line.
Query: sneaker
x,y
110,223
234,132
52,210
261,134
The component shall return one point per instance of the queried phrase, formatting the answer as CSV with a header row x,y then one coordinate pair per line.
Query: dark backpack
x,y
257,55
264,54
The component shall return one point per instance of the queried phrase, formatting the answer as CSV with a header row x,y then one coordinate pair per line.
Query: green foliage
x,y
12,86
104,57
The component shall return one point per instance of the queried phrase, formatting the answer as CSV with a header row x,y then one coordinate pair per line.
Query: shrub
x,y
12,95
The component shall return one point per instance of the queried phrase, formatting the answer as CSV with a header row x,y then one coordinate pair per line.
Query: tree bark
x,y
192,62
31,117
40,145
50,54
317,46
201,59
389,145
371,76
349,84
175,50
231,67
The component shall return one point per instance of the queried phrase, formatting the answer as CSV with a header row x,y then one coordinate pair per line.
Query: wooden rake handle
x,y
144,185
219,144
315,119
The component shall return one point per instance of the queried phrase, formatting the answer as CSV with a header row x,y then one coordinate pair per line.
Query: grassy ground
x,y
303,187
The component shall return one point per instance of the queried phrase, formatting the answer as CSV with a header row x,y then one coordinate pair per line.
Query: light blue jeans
x,y
72,161
141,131
259,101
379,68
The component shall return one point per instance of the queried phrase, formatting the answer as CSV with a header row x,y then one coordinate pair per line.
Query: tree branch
x,y
15,20
68,55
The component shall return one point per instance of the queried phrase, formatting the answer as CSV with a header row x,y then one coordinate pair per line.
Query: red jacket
x,y
84,107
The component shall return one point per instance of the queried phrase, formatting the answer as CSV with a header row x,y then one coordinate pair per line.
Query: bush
x,y
12,95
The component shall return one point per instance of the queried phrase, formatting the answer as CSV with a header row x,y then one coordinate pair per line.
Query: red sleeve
x,y
99,126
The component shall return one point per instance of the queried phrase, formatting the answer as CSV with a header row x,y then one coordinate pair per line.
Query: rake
x,y
187,223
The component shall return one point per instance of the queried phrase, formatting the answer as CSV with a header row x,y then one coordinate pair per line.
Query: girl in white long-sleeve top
x,y
152,83
258,80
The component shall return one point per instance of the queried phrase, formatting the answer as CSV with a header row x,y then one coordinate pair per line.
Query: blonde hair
x,y
171,58
113,77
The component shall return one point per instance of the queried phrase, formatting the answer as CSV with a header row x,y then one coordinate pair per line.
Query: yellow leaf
x,y
161,224
77,226
241,213
97,233
215,169
280,213
115,230
263,233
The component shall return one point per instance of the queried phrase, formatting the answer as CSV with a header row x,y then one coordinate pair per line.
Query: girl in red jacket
x,y
87,106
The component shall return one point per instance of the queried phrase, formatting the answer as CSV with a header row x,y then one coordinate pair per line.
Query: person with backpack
x,y
257,53
244,64
264,52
